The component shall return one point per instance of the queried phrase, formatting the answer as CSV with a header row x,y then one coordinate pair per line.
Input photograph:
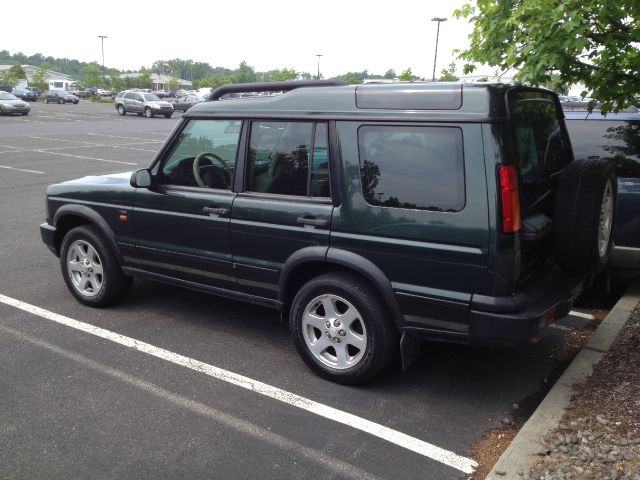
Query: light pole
x,y
436,19
102,37
318,55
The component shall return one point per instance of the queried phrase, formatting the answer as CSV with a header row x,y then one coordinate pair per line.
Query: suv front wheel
x,y
341,328
90,269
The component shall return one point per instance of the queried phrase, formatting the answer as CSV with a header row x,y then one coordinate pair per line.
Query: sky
x,y
351,35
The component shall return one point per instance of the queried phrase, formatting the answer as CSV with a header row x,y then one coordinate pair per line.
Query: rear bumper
x,y
505,320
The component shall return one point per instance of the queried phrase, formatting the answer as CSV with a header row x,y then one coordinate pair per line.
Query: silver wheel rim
x,y
85,268
334,332
147,113
606,219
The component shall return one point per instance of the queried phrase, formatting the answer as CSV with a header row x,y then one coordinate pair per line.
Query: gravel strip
x,y
599,435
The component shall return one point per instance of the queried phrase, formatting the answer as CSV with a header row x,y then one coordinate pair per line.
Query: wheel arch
x,y
310,262
71,216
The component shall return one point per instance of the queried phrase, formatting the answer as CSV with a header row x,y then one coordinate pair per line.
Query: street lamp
x,y
437,19
318,55
102,37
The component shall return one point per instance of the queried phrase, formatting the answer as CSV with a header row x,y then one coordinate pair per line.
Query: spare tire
x,y
585,209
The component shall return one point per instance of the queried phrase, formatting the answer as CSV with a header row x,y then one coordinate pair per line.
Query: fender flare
x,y
95,219
349,260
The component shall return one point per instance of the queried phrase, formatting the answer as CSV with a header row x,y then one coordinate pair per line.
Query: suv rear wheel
x,y
148,113
121,110
341,328
90,269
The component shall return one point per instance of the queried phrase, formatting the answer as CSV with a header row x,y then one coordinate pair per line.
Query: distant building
x,y
56,80
160,81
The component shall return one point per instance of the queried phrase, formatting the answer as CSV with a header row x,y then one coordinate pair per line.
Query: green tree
x,y
555,83
391,74
350,78
593,42
407,76
17,71
449,74
39,79
91,74
245,73
174,83
280,75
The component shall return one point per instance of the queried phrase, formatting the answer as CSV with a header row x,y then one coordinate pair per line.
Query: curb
x,y
518,458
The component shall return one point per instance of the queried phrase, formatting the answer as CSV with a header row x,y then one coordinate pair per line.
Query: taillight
x,y
511,220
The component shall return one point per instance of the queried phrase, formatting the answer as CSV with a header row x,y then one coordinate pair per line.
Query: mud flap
x,y
409,350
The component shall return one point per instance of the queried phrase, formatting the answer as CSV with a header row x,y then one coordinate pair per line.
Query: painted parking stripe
x,y
588,316
451,459
20,169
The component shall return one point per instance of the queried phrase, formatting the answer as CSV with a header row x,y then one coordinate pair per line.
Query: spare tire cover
x,y
585,208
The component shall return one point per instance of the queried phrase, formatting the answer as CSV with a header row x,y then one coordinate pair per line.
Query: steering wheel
x,y
197,167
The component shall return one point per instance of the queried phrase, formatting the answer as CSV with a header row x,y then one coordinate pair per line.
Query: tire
x,y
586,203
347,354
46,101
121,110
25,113
168,115
90,269
61,102
148,113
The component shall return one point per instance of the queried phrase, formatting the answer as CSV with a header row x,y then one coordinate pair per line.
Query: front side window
x,y
204,155
288,158
412,167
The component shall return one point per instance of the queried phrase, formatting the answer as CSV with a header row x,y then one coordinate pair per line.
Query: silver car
x,y
9,103
142,103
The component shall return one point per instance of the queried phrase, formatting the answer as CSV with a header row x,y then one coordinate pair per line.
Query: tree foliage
x,y
593,42
407,76
449,74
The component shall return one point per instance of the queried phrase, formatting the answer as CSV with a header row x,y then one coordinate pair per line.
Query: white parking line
x,y
119,136
20,169
463,464
588,316
93,144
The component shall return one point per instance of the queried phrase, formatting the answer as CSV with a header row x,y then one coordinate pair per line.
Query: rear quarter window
x,y
413,167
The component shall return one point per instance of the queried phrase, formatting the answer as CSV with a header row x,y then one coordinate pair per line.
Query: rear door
x,y
286,203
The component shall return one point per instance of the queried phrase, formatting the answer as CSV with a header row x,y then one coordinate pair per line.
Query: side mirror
x,y
141,178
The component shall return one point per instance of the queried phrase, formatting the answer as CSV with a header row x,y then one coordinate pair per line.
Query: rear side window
x,y
288,158
540,142
412,167
614,140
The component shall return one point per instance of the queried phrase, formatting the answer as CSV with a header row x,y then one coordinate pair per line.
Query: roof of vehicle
x,y
401,101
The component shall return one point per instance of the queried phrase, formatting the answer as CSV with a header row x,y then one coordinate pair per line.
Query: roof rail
x,y
271,87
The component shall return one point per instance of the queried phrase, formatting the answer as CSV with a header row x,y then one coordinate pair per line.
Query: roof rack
x,y
271,87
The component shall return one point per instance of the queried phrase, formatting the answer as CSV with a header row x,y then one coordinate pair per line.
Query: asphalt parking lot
x,y
177,384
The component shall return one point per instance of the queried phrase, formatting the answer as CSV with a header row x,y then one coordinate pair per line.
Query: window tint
x,y
540,142
204,155
617,141
280,155
412,167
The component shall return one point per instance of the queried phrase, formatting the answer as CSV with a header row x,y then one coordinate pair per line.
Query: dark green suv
x,y
371,216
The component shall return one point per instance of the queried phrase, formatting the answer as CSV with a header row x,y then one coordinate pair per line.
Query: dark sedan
x,y
60,96
185,103
26,95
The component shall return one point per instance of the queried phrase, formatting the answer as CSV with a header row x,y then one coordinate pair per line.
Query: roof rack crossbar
x,y
271,87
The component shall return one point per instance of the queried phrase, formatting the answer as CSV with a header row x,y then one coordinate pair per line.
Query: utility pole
x,y
102,37
318,55
436,19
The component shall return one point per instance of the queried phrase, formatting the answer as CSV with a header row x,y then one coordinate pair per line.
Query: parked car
x,y
60,96
615,138
26,95
142,103
186,102
370,216
9,103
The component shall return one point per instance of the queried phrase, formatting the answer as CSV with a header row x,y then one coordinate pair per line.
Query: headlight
x,y
6,105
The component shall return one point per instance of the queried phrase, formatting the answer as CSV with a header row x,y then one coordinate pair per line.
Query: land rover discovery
x,y
371,216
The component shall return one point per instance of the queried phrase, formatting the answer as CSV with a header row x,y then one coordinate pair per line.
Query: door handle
x,y
216,210
316,222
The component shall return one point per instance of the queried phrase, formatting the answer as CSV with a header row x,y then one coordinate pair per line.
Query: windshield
x,y
7,96
152,97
